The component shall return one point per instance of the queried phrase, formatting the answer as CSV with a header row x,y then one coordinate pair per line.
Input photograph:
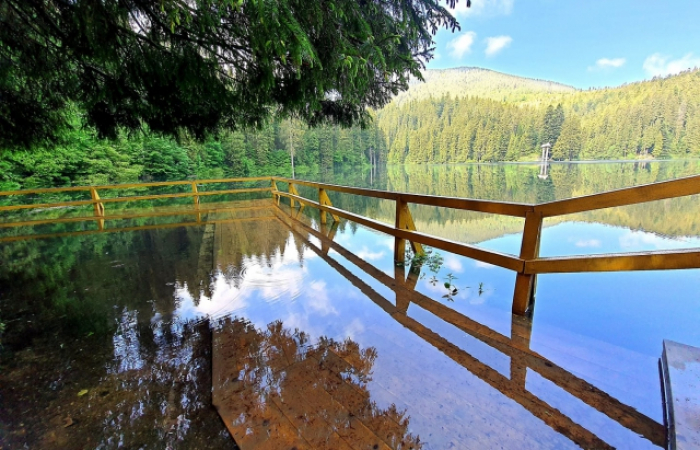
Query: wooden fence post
x,y
195,197
329,232
524,293
196,201
293,191
520,334
324,200
98,208
273,187
404,221
299,211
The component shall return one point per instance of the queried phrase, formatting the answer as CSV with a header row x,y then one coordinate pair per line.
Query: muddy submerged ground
x,y
92,355
75,396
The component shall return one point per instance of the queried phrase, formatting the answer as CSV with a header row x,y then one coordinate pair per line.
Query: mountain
x,y
477,82
470,114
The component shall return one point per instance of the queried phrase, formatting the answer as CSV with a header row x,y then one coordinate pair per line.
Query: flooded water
x,y
311,334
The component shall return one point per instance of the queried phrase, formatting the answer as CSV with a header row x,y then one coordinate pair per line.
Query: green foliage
x,y
205,65
81,157
568,144
434,261
654,119
163,159
469,122
477,82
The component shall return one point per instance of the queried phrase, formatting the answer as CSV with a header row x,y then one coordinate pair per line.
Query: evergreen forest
x,y
658,119
457,115
80,157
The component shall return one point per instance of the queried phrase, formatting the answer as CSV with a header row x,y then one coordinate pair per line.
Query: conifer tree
x,y
568,145
205,65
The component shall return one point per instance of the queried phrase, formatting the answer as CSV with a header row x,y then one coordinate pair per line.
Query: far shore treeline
x,y
658,119
81,158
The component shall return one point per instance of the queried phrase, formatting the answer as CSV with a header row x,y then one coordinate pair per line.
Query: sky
x,y
591,43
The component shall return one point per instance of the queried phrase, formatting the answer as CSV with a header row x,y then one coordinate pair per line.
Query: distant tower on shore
x,y
545,151
544,162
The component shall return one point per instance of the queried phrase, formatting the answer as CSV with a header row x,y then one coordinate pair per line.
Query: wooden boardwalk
x,y
275,394
527,264
276,387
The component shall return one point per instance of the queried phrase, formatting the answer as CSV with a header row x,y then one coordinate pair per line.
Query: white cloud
x,y
462,44
641,241
368,255
354,329
583,243
318,299
483,8
496,44
608,63
660,65
451,262
483,265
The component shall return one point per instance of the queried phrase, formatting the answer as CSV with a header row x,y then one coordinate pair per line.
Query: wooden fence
x,y
100,214
527,264
516,347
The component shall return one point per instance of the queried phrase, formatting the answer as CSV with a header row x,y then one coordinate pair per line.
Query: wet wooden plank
x,y
131,199
486,206
141,228
623,197
271,394
658,260
321,418
680,375
157,213
253,419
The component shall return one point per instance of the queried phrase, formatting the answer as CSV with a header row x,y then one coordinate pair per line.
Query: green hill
x,y
462,115
477,82
456,115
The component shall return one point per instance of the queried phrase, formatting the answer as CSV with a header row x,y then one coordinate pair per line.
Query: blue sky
x,y
590,43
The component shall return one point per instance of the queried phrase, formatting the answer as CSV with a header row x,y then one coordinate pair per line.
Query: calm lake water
x,y
108,336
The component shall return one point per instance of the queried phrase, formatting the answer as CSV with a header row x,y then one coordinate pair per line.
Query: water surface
x,y
108,336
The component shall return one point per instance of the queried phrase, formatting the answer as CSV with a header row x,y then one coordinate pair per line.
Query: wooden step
x,y
680,376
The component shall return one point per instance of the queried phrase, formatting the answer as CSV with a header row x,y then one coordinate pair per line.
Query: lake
x,y
112,339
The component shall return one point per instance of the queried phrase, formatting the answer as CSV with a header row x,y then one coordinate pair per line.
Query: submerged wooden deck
x,y
680,374
312,402
274,389
528,264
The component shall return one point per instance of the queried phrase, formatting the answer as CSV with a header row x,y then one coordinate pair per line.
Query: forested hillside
x,y
658,118
81,158
477,82
457,115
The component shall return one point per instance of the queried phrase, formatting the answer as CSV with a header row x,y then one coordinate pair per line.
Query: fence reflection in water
x,y
516,347
527,265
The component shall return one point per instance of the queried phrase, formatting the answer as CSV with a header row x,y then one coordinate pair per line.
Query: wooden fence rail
x,y
98,203
527,264
517,347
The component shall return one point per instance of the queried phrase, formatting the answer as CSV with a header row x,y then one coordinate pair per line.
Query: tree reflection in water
x,y
273,385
